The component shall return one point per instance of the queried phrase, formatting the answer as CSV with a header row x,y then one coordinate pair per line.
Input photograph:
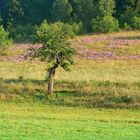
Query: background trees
x,y
25,12
126,10
62,10
84,11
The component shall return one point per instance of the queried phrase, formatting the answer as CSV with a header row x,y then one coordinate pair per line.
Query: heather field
x,y
98,99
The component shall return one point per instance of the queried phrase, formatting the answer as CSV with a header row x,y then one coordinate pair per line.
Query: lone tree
x,y
56,48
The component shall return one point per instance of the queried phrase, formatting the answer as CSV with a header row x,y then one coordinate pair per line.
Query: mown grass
x,y
41,122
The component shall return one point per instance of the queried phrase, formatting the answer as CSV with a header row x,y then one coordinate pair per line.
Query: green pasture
x,y
40,122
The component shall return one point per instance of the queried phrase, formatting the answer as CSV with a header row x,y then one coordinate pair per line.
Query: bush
x,y
106,24
127,27
22,32
130,22
5,42
78,28
136,22
126,20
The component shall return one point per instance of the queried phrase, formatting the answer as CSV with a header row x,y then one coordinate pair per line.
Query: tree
x,y
126,10
5,42
35,11
105,25
15,13
62,10
106,7
56,48
137,6
127,6
85,10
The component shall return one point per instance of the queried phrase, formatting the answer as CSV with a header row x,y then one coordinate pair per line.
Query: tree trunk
x,y
51,77
51,82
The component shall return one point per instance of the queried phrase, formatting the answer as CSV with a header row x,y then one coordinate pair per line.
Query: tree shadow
x,y
74,94
38,82
68,95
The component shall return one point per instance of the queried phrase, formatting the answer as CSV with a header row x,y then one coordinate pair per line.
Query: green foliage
x,y
127,27
55,40
19,12
78,28
15,13
62,10
136,23
5,42
126,19
126,10
22,32
106,7
84,11
130,21
105,24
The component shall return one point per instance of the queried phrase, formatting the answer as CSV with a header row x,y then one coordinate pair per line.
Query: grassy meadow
x,y
99,99
41,122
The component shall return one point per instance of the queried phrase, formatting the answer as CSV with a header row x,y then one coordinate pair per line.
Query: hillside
x,y
98,99
106,73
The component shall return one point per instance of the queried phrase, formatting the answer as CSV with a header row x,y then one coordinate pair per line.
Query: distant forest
x,y
86,12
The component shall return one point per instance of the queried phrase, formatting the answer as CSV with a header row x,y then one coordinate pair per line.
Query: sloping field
x,y
106,73
99,99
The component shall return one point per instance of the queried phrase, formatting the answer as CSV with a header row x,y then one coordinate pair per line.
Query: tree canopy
x,y
15,12
56,47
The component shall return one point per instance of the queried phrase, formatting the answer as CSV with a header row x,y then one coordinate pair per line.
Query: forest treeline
x,y
85,15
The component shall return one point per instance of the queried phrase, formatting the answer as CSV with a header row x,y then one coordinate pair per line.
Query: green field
x,y
41,122
99,99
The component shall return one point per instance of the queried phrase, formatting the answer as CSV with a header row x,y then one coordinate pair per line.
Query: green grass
x,y
83,70
89,83
90,102
41,122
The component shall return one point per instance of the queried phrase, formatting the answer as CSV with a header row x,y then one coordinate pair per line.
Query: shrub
x,y
136,22
22,32
125,99
129,22
105,25
126,20
127,27
5,42
78,28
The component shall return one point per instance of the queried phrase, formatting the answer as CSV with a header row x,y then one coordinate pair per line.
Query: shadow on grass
x,y
24,81
104,83
72,93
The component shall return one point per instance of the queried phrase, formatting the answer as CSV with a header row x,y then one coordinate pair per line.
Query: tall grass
x,y
89,83
105,82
